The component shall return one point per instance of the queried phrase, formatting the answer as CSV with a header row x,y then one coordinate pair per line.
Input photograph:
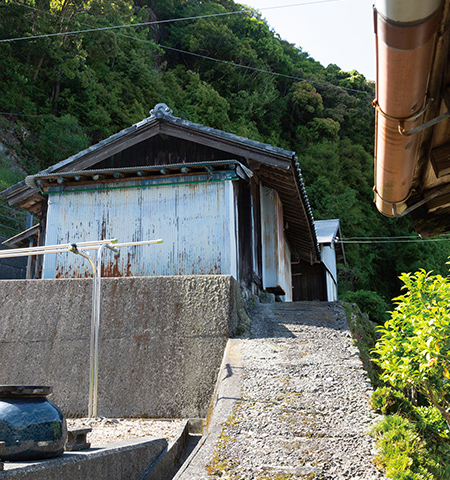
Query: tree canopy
x,y
231,72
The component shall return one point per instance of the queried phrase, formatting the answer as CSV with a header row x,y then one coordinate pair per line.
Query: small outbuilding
x,y
222,204
319,281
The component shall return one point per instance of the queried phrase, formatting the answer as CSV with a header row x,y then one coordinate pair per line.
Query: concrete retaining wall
x,y
161,341
119,461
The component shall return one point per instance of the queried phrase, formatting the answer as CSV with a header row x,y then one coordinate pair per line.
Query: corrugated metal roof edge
x,y
9,190
336,238
231,136
336,227
31,180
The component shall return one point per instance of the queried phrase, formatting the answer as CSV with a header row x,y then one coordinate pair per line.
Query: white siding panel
x,y
276,255
269,237
328,257
196,222
286,273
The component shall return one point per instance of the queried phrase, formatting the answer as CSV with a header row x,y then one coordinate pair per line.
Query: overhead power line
x,y
394,237
393,240
261,70
155,22
112,27
22,114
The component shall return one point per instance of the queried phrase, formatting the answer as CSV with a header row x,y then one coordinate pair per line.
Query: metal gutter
x,y
405,40
143,184
138,171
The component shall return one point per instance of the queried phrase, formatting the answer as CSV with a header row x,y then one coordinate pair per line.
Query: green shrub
x,y
370,302
431,422
414,352
414,349
388,401
406,454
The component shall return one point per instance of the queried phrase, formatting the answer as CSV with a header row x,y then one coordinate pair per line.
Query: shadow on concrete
x,y
279,320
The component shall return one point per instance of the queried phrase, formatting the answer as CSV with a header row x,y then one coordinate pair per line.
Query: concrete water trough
x,y
142,458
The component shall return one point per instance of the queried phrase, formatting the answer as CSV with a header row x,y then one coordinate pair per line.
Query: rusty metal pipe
x,y
405,37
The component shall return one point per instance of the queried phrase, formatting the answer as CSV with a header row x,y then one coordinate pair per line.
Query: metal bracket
x,y
437,193
434,121
424,126
402,121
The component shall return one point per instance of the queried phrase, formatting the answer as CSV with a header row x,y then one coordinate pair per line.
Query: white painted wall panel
x,y
328,257
269,237
196,221
276,255
285,272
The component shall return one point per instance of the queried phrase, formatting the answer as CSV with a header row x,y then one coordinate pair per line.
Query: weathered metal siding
x,y
285,272
328,257
195,220
275,250
269,237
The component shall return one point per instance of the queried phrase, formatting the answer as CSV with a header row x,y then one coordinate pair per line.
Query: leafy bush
x,y
370,302
388,401
406,455
414,350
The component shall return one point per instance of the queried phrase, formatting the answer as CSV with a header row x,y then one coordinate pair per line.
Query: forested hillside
x,y
61,91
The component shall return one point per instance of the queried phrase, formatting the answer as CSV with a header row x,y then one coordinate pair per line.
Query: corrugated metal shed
x,y
277,168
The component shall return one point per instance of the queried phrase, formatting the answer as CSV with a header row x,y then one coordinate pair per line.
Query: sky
x,y
330,31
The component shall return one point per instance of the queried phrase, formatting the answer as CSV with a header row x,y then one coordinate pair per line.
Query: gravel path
x,y
304,409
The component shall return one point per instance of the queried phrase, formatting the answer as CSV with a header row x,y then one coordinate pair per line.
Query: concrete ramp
x,y
291,402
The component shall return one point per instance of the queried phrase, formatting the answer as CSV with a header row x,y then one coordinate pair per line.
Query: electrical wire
x,y
400,237
423,240
156,22
247,67
11,228
22,114
260,70
112,27
299,4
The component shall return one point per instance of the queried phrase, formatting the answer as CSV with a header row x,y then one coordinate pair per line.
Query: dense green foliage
x,y
413,356
413,442
72,90
414,349
409,451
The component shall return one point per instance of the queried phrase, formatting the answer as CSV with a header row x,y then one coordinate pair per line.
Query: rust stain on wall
x,y
196,223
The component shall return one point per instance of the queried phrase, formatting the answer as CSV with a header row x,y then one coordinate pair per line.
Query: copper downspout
x,y
404,56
